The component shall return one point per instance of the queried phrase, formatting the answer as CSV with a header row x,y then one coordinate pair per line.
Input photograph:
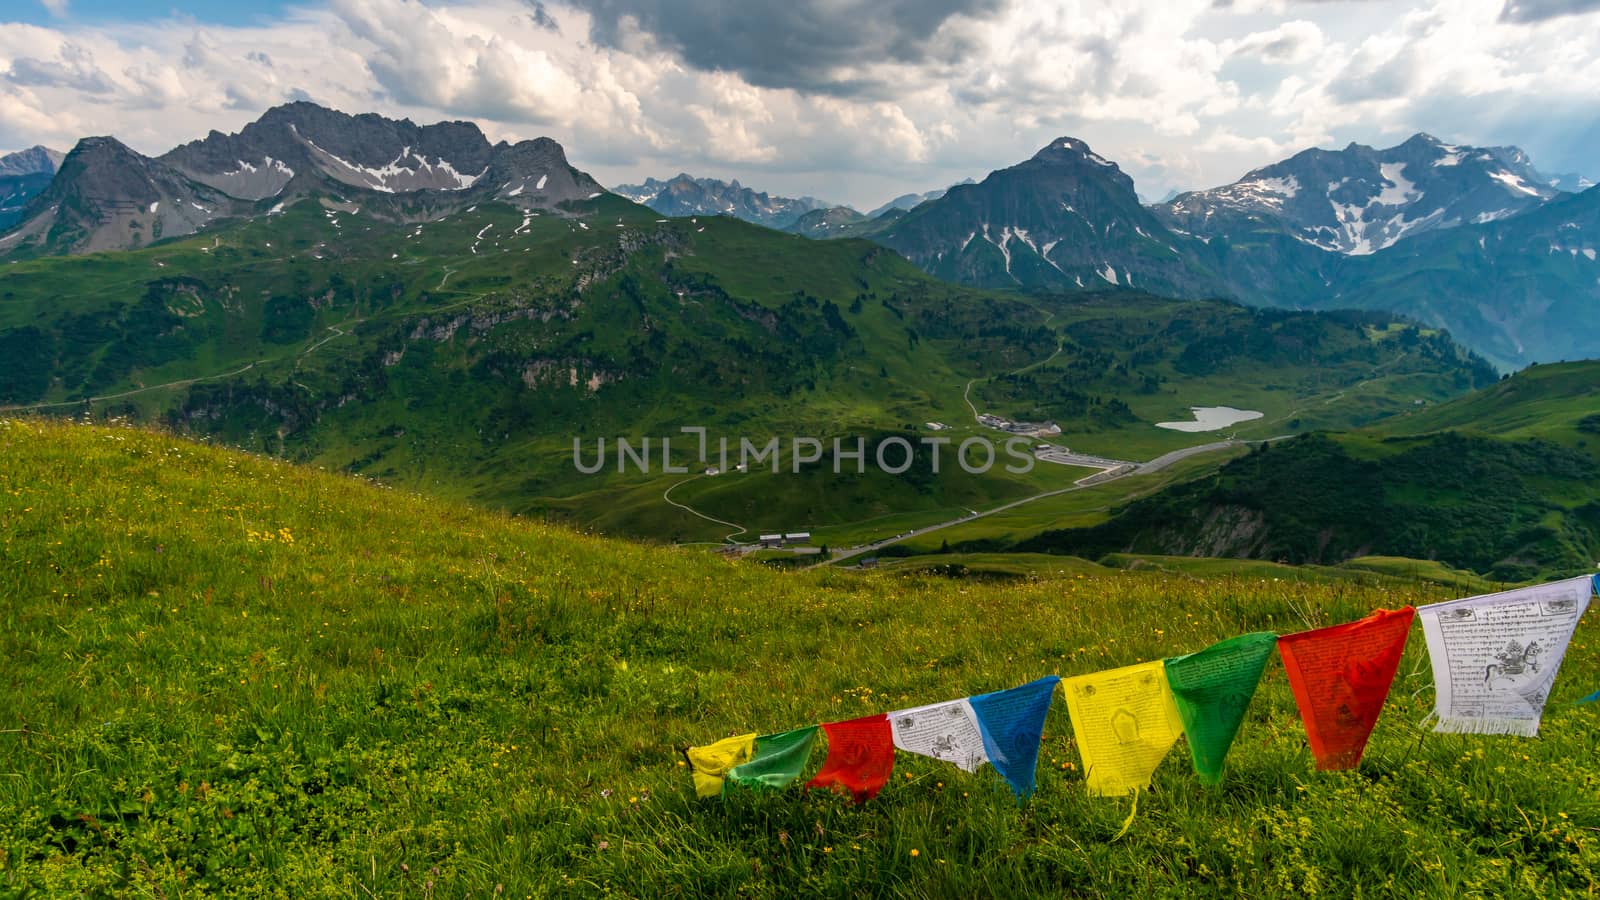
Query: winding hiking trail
x,y
695,512
338,331
154,387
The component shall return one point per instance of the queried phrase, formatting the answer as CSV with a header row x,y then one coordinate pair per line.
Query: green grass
x,y
990,565
1547,402
1076,509
1513,510
228,675
460,358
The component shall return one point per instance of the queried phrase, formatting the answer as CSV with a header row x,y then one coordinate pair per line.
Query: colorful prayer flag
x,y
1212,689
1495,656
860,757
713,761
778,760
945,731
1012,723
1125,721
1340,676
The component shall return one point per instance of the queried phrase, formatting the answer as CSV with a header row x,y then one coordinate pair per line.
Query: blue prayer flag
x,y
1012,723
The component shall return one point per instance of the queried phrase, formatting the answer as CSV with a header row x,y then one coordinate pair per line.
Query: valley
x,y
470,354
1027,450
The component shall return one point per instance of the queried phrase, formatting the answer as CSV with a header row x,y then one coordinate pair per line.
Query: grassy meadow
x,y
461,359
227,675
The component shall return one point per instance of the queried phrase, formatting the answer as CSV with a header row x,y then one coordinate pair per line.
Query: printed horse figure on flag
x,y
1514,661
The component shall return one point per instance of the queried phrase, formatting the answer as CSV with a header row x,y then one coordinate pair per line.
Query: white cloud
x,y
1288,44
1183,93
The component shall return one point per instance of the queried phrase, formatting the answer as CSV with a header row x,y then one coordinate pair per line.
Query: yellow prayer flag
x,y
713,761
1125,721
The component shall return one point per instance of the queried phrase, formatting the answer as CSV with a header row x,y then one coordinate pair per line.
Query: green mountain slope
x,y
1559,402
1505,482
227,675
467,356
1519,290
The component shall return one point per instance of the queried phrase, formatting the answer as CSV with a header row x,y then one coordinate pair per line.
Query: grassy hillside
x,y
1502,482
1558,403
1128,361
224,674
1513,510
463,357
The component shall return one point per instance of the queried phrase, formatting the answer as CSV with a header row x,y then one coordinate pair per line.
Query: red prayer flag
x,y
1340,676
860,757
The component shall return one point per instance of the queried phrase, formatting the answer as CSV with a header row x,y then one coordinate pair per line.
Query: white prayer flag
x,y
945,731
1495,656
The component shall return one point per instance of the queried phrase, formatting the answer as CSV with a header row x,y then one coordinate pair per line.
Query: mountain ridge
x,y
1359,200
108,197
686,195
1064,218
23,175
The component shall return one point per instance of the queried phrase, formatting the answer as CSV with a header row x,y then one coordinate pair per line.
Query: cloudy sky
x,y
849,100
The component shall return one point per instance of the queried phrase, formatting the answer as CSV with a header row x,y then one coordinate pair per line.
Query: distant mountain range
x,y
845,221
685,195
1066,218
912,201
1359,200
106,196
22,176
1475,240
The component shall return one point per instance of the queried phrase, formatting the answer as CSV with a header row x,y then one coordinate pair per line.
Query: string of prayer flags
x,y
860,757
1012,724
945,731
1495,659
713,761
778,760
1495,656
1212,689
1125,721
1340,676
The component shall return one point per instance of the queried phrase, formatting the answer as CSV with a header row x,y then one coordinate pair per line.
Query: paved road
x,y
1154,465
1065,457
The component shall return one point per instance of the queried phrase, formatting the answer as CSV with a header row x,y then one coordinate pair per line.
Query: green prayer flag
x,y
778,760
1213,688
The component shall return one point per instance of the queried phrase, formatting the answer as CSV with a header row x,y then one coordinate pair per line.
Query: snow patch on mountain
x,y
1397,188
1514,183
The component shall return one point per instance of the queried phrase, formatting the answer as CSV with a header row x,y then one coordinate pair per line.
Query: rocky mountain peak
x,y
36,160
1360,200
399,169
686,195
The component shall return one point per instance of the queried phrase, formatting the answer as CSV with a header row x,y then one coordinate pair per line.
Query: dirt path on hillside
x,y
728,539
